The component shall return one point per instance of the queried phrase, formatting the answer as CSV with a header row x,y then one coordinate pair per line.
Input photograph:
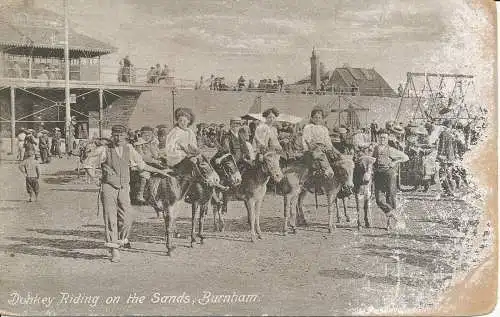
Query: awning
x,y
283,117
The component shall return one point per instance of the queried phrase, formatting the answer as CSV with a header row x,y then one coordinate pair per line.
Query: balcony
x,y
90,75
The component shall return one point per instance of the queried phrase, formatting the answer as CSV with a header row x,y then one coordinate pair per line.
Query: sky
x,y
263,39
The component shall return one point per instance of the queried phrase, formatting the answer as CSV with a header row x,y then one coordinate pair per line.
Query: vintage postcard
x,y
241,157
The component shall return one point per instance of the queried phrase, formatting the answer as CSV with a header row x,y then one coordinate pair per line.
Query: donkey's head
x,y
344,169
203,169
363,170
271,166
321,164
227,169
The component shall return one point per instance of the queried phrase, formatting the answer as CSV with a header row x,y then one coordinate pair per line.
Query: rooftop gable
x,y
39,28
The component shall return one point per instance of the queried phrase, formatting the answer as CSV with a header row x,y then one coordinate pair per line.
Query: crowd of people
x,y
419,154
218,83
435,147
156,74
42,145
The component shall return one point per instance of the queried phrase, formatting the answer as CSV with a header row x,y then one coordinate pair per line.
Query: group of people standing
x,y
39,144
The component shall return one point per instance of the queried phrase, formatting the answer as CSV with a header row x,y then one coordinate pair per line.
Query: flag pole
x,y
66,80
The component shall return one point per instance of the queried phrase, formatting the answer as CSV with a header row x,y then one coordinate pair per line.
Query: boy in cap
x,y
116,161
385,177
56,143
44,147
230,141
149,153
31,171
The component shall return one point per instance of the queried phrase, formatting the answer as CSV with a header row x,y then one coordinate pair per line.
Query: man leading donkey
x,y
116,161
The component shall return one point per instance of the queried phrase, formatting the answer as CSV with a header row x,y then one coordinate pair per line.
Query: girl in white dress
x,y
266,135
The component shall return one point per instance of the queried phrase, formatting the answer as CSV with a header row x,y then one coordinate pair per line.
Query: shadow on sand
x,y
53,247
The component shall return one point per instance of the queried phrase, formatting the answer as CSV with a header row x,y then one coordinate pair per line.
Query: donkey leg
x,y
216,211
169,219
345,211
258,204
301,220
337,209
293,212
330,198
285,215
194,206
201,222
222,223
250,205
367,209
356,196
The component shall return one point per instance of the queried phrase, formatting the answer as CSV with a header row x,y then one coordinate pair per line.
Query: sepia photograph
x,y
246,157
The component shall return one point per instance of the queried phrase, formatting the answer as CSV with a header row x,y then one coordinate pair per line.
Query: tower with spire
x,y
315,72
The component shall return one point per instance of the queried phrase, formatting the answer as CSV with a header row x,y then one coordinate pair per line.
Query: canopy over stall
x,y
283,117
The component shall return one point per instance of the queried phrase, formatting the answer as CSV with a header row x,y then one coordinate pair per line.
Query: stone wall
x,y
155,107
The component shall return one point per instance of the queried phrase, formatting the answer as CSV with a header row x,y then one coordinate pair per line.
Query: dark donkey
x,y
169,191
252,190
201,193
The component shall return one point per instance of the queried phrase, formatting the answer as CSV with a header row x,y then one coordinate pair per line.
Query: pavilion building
x,y
32,85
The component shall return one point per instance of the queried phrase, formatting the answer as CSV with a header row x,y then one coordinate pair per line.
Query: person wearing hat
x,y
373,131
341,142
31,171
56,143
21,137
393,134
30,143
266,136
360,139
385,176
150,153
116,161
448,155
220,132
161,135
36,139
231,141
180,142
315,135
43,145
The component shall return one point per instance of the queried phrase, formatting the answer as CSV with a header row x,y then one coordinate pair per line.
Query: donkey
x,y
328,179
201,193
362,179
166,193
252,190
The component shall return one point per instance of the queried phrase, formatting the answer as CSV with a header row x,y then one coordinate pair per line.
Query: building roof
x,y
43,30
368,80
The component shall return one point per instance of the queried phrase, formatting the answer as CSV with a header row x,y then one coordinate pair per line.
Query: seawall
x,y
155,107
